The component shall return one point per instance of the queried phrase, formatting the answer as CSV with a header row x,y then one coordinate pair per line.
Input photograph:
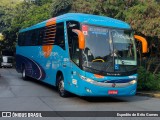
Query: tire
x,y
60,85
24,77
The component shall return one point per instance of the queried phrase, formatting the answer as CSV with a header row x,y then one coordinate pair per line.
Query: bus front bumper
x,y
107,89
92,90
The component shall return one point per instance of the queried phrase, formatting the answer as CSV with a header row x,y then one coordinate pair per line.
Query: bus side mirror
x,y
81,39
143,41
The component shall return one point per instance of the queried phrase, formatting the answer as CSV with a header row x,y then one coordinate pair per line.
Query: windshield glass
x,y
108,50
124,47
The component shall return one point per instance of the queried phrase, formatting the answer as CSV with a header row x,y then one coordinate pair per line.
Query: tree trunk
x,y
149,65
156,68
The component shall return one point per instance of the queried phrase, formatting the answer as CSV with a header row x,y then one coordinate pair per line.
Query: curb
x,y
149,94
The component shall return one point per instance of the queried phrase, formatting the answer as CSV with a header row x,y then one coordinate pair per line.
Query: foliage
x,y
147,80
30,15
110,8
20,15
145,18
42,2
1,37
88,6
6,8
116,8
60,7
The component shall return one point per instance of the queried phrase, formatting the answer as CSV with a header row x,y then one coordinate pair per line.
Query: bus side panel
x,y
40,67
57,61
27,58
33,69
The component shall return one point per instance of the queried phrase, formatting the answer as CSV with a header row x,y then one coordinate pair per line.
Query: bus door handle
x,y
64,65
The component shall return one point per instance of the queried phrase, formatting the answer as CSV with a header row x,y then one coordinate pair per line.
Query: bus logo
x,y
114,85
47,49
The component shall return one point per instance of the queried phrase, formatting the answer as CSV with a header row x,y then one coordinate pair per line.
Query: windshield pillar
x,y
74,51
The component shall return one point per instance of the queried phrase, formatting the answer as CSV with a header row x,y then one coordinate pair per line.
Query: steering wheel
x,y
98,60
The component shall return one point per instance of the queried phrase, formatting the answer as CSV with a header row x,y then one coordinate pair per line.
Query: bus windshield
x,y
108,50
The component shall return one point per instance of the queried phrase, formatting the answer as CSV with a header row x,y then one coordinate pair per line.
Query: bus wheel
x,y
24,77
61,90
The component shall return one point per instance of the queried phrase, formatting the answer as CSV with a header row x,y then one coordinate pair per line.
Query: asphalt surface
x,y
19,95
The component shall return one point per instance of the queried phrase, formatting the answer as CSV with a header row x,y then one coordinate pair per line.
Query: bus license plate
x,y
113,92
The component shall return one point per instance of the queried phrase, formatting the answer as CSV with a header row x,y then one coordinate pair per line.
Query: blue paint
x,y
87,19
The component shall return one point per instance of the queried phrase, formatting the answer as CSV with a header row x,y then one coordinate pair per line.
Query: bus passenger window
x,y
33,38
40,36
23,39
59,40
20,39
28,38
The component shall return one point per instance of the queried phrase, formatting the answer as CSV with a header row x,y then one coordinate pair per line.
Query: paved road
x,y
19,95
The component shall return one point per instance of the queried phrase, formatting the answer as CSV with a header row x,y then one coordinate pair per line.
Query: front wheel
x,y
24,77
61,90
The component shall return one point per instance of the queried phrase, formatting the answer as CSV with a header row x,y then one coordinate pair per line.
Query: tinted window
x,y
40,36
31,38
20,39
53,34
73,41
59,40
27,37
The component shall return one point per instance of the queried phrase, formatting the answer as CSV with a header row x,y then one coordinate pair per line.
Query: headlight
x,y
86,79
107,84
133,82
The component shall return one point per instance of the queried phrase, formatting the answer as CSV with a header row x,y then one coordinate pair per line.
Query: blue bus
x,y
83,54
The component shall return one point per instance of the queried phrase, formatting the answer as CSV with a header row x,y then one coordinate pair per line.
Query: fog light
x,y
88,90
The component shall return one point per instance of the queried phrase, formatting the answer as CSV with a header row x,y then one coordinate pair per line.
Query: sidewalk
x,y
155,94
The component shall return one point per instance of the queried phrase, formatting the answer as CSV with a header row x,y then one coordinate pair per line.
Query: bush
x,y
158,81
147,80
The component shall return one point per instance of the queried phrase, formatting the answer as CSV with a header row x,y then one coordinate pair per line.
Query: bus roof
x,y
86,19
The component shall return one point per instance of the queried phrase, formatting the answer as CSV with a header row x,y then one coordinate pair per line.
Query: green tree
x,y
42,2
110,8
22,15
145,18
6,10
27,14
87,6
60,7
1,37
